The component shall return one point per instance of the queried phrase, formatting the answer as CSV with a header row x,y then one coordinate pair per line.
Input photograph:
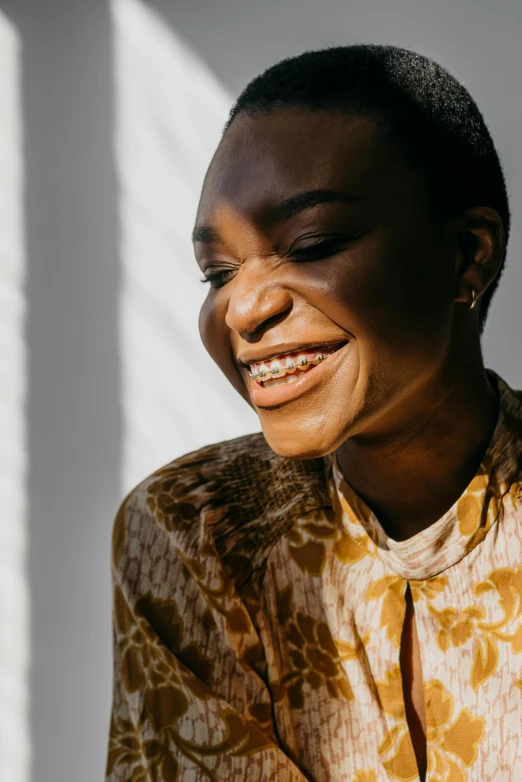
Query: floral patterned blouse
x,y
258,610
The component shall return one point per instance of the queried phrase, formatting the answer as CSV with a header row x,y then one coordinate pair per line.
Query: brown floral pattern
x,y
258,613
313,656
312,539
167,683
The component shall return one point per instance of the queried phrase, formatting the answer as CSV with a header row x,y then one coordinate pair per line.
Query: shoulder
x,y
507,440
512,408
237,495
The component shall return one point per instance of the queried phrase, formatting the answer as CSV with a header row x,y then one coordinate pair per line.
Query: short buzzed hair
x,y
422,106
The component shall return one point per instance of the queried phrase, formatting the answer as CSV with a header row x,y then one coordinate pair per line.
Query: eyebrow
x,y
283,210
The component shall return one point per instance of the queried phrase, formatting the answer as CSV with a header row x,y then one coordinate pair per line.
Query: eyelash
x,y
296,256
216,276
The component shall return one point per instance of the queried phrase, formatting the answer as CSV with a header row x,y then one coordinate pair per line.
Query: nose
x,y
256,302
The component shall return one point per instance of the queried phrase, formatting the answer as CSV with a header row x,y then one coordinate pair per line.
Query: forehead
x,y
267,157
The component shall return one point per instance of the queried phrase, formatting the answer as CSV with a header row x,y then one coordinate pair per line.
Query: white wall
x,y
119,122
73,420
170,111
14,593
477,40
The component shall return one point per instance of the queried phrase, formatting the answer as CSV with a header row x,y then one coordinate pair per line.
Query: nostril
x,y
254,309
269,322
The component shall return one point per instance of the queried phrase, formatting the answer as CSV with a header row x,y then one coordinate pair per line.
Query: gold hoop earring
x,y
473,299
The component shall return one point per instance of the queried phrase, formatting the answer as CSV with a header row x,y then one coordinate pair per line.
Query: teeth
x,y
302,362
280,381
287,365
276,369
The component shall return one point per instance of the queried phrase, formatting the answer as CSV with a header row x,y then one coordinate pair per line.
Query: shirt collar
x,y
466,523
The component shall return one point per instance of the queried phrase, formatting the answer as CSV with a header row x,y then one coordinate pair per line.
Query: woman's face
x,y
319,239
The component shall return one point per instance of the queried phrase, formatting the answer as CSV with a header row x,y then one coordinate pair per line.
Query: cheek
x,y
205,314
212,329
215,336
387,296
396,291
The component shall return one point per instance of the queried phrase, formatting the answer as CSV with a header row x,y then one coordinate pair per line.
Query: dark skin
x,y
406,403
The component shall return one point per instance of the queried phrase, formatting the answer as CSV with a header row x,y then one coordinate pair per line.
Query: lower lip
x,y
277,395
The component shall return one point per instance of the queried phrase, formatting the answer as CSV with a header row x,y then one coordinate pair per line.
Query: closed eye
x,y
219,277
315,251
318,250
312,252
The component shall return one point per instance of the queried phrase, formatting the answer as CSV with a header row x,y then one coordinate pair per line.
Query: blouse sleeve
x,y
187,699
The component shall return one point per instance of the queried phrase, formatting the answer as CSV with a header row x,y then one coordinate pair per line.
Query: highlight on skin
x,y
376,271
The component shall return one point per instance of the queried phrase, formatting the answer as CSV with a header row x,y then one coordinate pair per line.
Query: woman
x,y
338,597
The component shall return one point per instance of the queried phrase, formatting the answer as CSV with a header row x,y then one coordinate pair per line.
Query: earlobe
x,y
482,243
473,301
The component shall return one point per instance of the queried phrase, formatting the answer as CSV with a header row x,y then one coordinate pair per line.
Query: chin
x,y
301,445
317,422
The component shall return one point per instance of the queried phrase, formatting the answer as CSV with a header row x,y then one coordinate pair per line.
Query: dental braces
x,y
274,371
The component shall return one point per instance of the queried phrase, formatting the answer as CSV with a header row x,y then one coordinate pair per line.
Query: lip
x,y
277,395
282,350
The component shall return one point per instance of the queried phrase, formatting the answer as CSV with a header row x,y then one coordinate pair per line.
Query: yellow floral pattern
x,y
470,623
258,615
389,591
365,776
311,540
452,743
395,749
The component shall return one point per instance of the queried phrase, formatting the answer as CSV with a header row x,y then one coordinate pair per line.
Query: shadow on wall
x,y
120,123
120,120
73,416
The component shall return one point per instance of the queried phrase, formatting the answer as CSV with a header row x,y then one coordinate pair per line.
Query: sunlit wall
x,y
169,114
156,116
14,604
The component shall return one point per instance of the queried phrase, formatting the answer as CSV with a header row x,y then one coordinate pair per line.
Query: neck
x,y
411,475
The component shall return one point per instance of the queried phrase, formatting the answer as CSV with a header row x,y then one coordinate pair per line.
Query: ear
x,y
482,244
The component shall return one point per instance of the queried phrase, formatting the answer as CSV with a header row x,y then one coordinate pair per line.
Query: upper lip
x,y
258,356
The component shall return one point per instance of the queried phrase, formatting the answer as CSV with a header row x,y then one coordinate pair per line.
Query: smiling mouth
x,y
288,367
